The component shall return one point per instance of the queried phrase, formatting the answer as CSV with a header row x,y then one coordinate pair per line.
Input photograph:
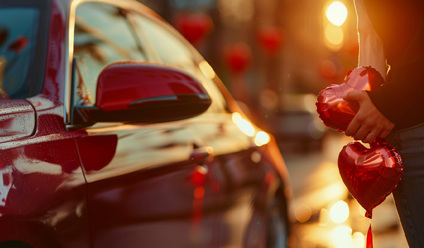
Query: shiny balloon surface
x,y
370,174
338,113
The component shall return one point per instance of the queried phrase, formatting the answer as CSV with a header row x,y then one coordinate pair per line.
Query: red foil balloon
x,y
370,174
238,57
338,113
271,39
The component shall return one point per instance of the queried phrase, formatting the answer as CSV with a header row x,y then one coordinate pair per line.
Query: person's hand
x,y
369,123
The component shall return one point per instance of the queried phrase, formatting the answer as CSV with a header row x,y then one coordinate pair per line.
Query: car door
x,y
152,184
42,186
243,180
43,201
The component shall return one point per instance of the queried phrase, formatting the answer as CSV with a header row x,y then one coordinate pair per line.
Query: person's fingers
x,y
352,128
367,119
371,136
361,133
355,95
355,124
365,129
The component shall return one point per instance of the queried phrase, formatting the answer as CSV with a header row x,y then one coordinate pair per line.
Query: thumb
x,y
355,95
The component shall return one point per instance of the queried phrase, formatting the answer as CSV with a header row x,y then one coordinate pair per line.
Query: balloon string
x,y
369,238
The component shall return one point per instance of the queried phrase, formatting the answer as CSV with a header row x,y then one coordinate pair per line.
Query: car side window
x,y
173,51
102,36
20,40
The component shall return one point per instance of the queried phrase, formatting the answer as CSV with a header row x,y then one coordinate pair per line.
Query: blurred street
x,y
320,200
275,56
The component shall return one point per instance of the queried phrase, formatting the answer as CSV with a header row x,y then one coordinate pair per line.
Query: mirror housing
x,y
145,92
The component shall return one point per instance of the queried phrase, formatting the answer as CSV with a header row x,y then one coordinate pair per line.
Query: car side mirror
x,y
145,92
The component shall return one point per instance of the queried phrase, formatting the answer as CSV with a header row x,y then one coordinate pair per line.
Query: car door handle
x,y
201,154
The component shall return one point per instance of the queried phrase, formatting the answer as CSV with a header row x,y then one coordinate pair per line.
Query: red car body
x,y
148,164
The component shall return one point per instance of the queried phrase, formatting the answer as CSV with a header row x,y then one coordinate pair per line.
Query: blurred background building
x,y
274,55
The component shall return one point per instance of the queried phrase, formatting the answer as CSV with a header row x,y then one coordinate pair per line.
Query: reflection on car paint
x,y
96,152
55,66
198,179
6,181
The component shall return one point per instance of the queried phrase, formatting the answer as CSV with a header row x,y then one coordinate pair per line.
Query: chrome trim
x,y
70,44
129,4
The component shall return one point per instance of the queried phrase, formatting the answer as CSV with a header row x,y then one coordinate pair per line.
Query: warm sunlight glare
x,y
358,240
245,126
341,237
207,69
262,138
339,212
236,117
336,13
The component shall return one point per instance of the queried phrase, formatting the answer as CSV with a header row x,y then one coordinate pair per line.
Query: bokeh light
x,y
245,126
324,217
262,138
336,13
302,213
358,240
339,212
341,237
334,37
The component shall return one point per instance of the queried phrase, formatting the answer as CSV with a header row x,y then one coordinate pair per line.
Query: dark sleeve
x,y
400,26
401,100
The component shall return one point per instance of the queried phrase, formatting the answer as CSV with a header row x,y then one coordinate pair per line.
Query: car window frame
x,y
74,74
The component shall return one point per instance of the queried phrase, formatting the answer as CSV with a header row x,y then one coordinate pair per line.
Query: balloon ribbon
x,y
369,238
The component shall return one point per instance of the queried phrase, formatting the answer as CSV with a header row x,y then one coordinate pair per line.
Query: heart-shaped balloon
x,y
194,26
338,113
370,174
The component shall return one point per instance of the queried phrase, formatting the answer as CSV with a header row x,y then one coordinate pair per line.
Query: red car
x,y
115,132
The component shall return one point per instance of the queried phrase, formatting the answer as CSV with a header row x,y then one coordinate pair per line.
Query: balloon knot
x,y
368,214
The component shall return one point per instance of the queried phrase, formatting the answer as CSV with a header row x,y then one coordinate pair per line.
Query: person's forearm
x,y
371,51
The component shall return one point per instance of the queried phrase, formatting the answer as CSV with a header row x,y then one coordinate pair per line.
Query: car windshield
x,y
20,75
